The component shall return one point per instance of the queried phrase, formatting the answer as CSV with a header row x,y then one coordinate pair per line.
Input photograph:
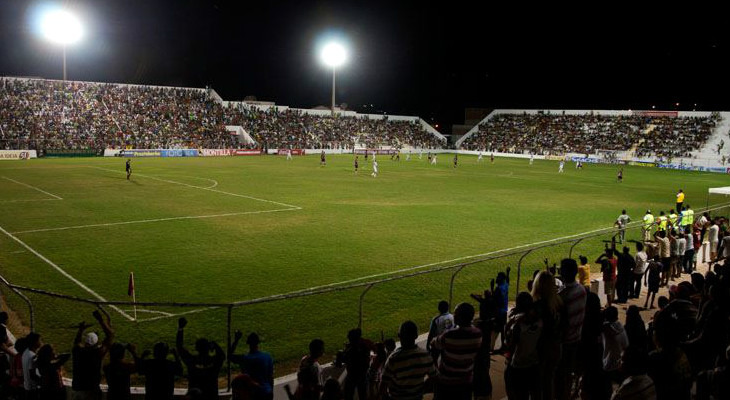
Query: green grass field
x,y
221,230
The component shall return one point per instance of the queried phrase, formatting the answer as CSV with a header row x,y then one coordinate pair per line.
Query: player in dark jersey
x,y
491,158
456,160
129,168
620,176
356,164
366,155
322,160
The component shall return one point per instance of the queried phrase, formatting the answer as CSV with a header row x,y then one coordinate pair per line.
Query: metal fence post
x,y
451,285
362,297
519,271
228,347
570,253
27,301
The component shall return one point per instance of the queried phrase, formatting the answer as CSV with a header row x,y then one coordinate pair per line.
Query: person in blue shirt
x,y
258,365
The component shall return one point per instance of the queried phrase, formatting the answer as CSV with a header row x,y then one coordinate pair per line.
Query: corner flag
x,y
130,290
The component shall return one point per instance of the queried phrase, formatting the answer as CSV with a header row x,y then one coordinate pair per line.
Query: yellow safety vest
x,y
662,220
673,219
648,221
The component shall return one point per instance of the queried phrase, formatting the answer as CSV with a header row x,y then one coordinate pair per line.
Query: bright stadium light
x,y
333,55
61,27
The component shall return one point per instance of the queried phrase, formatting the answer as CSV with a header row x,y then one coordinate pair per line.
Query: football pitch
x,y
222,230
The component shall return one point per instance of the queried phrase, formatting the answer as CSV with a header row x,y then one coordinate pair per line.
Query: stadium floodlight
x,y
61,27
334,55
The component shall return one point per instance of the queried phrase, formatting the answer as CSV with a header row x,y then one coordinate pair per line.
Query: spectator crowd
x,y
662,137
42,114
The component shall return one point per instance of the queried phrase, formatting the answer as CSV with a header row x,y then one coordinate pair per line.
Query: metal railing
x,y
366,285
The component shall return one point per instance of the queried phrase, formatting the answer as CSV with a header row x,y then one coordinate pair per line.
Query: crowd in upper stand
x,y
292,128
666,137
41,114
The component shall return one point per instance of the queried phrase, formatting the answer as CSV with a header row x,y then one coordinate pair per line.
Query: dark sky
x,y
430,59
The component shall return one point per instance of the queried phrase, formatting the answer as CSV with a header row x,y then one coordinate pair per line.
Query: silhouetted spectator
x,y
457,348
119,372
203,368
573,296
49,366
356,357
31,378
637,385
87,356
406,368
159,372
259,365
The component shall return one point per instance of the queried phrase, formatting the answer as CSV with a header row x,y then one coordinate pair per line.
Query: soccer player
x,y
620,176
288,154
375,169
420,154
322,160
356,164
408,156
480,157
491,158
129,168
532,158
561,166
429,156
433,160
366,155
456,160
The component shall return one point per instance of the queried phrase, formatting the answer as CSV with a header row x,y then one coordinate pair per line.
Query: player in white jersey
x,y
433,160
375,169
560,168
480,157
288,154
408,156
420,154
532,158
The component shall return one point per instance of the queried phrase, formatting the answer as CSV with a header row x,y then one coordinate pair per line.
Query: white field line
x,y
197,310
204,188
142,221
33,187
64,273
26,201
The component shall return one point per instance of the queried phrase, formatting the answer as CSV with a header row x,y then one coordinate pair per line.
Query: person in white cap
x,y
87,356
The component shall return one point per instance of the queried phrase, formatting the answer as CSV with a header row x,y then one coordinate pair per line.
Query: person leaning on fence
x,y
159,372
203,368
87,356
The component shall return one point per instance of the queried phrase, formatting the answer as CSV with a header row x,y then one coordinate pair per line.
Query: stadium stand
x,y
545,133
44,114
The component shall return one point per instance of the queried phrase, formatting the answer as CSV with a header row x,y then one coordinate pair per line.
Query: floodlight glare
x,y
62,27
334,55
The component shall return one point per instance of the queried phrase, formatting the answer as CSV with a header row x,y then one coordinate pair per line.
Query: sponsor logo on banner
x,y
159,153
642,164
140,153
376,151
678,166
585,159
216,152
247,152
555,158
294,152
180,153
17,154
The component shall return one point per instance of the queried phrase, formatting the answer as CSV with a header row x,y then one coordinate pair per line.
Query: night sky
x,y
430,59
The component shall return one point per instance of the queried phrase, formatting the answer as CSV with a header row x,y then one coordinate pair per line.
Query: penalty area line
x,y
66,274
143,221
203,188
34,188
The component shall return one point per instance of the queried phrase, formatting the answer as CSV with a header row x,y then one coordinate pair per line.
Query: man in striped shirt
x,y
458,348
574,297
405,369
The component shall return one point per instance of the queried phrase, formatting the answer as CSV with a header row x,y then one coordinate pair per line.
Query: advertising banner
x,y
590,160
180,153
642,164
247,152
17,154
215,152
294,152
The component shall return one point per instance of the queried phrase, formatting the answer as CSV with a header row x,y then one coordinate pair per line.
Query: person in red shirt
x,y
608,268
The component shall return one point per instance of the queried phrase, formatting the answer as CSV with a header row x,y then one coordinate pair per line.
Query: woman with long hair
x,y
549,307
